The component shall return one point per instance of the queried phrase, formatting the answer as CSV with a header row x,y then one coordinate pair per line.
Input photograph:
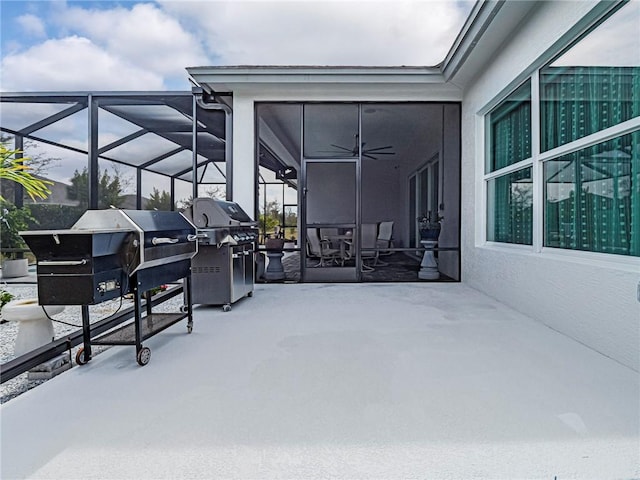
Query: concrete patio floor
x,y
336,381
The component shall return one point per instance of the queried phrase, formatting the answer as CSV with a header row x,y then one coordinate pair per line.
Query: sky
x,y
146,45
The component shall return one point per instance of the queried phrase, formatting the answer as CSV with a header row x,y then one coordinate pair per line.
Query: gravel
x,y
73,322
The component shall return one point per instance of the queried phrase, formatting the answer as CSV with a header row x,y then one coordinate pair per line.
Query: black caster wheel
x,y
80,357
144,355
189,328
226,308
250,294
184,309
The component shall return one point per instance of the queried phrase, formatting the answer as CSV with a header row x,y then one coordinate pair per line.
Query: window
x,y
510,207
588,166
593,85
510,129
576,101
509,192
589,201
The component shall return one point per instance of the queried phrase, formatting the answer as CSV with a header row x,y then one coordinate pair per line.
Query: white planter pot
x,y
15,268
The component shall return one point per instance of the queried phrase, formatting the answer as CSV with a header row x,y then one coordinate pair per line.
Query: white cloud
x,y
149,45
32,25
324,33
73,63
136,48
143,35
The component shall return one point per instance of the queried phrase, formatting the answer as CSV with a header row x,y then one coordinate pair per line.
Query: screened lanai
x,y
121,149
159,150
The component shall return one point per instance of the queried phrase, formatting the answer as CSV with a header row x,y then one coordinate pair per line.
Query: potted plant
x,y
5,297
12,221
429,225
12,218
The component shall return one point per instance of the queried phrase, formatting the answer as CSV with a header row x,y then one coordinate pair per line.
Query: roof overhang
x,y
489,25
304,82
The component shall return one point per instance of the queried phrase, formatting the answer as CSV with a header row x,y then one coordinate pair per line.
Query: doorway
x,y
362,169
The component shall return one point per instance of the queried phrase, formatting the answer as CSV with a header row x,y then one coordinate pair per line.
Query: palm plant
x,y
13,168
13,219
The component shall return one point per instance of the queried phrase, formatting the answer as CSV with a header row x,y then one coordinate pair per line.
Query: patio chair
x,y
327,233
384,240
321,249
368,239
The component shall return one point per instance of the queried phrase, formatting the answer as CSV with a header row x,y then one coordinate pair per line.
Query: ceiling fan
x,y
366,152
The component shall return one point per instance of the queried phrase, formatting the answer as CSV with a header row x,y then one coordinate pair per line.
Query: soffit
x,y
255,78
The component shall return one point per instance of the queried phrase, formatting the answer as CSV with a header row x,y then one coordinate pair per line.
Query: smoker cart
x,y
108,254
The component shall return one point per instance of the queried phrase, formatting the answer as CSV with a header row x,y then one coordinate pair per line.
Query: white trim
x,y
509,169
511,247
537,173
601,136
481,145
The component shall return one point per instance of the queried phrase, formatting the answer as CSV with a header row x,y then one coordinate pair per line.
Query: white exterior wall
x,y
588,296
244,157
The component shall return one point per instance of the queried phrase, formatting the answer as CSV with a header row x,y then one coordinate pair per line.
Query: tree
x,y
13,220
159,200
270,217
213,192
109,189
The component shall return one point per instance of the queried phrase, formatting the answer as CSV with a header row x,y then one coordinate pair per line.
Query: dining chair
x,y
368,239
326,234
384,240
319,248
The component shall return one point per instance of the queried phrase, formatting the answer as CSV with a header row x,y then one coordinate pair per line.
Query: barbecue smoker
x,y
222,271
107,254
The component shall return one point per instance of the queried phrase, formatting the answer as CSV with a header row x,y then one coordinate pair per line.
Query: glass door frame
x,y
340,274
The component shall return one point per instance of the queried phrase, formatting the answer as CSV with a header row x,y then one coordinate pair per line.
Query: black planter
x,y
430,233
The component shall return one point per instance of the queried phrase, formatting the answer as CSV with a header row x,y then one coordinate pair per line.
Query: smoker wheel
x,y
184,309
226,308
189,327
250,294
144,355
80,359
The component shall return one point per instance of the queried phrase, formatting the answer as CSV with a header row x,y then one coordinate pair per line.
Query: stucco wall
x,y
589,297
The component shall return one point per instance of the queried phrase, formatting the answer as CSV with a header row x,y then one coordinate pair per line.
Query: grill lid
x,y
210,212
156,238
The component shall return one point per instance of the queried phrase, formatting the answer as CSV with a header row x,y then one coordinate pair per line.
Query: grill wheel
x,y
80,357
144,355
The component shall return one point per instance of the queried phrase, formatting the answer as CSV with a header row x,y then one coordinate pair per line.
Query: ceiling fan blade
x,y
342,148
380,153
378,148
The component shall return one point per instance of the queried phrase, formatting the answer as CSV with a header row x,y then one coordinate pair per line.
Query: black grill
x,y
110,253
